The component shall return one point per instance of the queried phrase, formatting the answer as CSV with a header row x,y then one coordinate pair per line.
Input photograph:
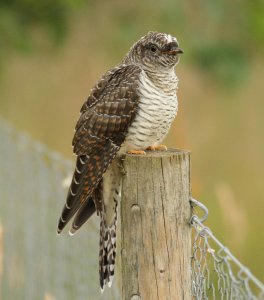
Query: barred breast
x,y
157,109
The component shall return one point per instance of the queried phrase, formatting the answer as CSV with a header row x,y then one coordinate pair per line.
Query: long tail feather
x,y
107,253
88,174
72,203
83,214
94,203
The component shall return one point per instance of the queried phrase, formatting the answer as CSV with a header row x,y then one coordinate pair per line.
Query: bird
x,y
129,110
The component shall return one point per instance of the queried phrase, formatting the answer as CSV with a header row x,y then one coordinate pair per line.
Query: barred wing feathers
x,y
100,131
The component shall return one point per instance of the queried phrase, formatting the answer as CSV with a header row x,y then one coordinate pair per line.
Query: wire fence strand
x,y
216,272
36,264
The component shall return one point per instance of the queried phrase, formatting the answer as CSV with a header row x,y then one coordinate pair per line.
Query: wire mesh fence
x,y
36,264
216,272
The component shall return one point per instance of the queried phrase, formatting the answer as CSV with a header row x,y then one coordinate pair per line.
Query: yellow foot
x,y
137,152
158,148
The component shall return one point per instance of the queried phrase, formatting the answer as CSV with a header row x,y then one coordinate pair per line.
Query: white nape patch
x,y
169,38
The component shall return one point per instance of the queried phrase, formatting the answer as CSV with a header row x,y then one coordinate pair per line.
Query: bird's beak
x,y
173,51
179,51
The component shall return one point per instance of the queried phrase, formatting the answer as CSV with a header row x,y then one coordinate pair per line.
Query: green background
x,y
52,52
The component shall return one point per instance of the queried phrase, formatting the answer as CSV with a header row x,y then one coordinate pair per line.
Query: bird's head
x,y
156,51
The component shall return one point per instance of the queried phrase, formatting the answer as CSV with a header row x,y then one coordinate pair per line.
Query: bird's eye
x,y
153,48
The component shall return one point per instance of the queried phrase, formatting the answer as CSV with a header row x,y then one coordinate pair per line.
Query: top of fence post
x,y
155,232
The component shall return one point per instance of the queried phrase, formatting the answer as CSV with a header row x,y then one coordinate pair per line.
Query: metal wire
x,y
216,272
36,264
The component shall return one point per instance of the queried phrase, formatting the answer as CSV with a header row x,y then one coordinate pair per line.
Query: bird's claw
x,y
160,147
137,152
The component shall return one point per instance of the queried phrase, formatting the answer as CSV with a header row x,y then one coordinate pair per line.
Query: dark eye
x,y
153,48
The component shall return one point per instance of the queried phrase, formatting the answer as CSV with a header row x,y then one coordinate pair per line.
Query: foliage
x,y
226,63
221,37
19,18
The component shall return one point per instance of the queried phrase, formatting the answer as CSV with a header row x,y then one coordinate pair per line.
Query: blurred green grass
x,y
220,94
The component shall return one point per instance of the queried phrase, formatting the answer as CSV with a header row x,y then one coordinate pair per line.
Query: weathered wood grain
x,y
155,234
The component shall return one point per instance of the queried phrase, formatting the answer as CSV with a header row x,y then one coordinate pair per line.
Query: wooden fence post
x,y
155,233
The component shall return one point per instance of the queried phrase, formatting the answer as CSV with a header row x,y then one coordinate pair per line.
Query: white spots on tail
x,y
112,267
82,161
77,170
113,240
75,181
72,193
107,252
110,282
72,232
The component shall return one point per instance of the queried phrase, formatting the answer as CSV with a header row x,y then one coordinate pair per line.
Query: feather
x,y
100,131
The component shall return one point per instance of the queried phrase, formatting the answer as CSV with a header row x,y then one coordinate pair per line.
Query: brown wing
x,y
100,131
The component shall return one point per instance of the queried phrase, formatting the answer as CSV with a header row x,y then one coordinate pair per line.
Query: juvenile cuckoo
x,y
130,109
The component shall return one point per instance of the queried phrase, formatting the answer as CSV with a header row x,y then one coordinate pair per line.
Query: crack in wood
x,y
154,227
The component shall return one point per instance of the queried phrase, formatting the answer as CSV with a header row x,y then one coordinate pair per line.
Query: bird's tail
x,y
107,252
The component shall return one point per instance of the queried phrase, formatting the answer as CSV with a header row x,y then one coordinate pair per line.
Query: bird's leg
x,y
158,148
137,152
